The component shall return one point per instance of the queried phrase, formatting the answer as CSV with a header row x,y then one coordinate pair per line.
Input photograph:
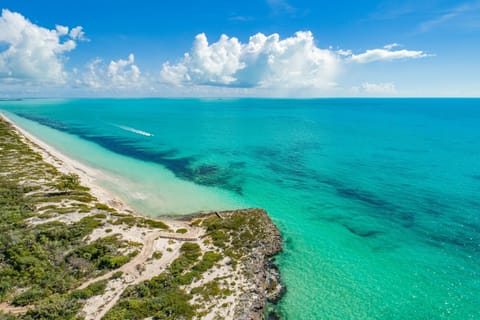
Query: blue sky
x,y
299,48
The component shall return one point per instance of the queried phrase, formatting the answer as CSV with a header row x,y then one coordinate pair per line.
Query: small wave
x,y
140,132
139,196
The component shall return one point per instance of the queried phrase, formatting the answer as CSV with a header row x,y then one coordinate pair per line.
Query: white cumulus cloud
x,y
390,46
124,72
369,88
344,53
117,74
265,62
33,52
387,53
78,34
61,30
207,64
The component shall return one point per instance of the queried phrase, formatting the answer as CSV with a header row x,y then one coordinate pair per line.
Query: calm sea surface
x,y
378,200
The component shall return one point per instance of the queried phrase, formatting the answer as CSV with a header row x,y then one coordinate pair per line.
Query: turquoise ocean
x,y
378,200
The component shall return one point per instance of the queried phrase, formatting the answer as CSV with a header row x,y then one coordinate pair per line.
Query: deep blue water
x,y
378,200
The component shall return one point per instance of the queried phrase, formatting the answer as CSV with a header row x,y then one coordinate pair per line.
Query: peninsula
x,y
70,250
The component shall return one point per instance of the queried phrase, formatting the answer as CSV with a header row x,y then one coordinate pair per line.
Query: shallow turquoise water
x,y
377,199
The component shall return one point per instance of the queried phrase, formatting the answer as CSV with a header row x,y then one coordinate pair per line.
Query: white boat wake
x,y
140,132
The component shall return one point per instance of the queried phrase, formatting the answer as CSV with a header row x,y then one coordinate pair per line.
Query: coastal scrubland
x,y
64,254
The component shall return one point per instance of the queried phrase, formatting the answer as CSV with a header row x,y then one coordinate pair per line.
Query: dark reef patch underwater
x,y
184,167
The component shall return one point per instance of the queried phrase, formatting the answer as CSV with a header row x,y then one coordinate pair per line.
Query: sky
x,y
264,48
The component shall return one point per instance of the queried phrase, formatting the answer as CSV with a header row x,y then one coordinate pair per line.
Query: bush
x,y
102,253
157,255
208,260
158,297
112,262
27,297
219,237
116,275
101,206
55,307
95,289
155,224
68,182
210,290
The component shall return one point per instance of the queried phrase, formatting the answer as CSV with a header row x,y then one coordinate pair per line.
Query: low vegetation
x,y
236,235
139,222
41,264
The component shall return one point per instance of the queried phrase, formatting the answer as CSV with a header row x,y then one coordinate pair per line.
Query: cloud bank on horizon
x,y
34,55
265,62
269,62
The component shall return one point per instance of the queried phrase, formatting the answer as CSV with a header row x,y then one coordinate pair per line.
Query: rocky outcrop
x,y
274,287
260,268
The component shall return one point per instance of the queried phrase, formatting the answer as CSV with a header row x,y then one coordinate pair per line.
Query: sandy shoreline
x,y
88,176
65,164
91,178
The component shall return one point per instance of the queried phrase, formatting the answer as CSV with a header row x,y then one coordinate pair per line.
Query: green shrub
x,y
128,220
95,289
115,262
159,297
154,224
210,290
27,297
157,255
68,182
196,222
55,307
219,238
101,206
208,261
102,253
117,275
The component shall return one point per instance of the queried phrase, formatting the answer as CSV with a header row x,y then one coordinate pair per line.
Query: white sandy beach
x,y
65,164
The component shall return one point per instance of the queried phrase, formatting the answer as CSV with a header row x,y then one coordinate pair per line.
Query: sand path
x,y
132,275
140,259
134,272
131,266
6,308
